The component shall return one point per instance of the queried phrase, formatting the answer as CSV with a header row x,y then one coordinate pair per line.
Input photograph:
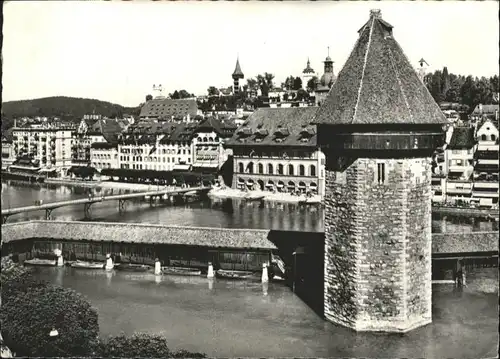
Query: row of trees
x,y
31,309
468,90
160,177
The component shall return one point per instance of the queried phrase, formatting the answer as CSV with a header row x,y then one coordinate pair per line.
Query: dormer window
x,y
306,134
280,134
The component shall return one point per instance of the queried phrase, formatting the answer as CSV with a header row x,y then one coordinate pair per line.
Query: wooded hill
x,y
61,106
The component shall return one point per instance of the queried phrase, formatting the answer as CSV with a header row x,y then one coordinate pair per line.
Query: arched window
x,y
280,169
240,167
302,170
290,170
483,138
250,167
312,170
270,169
261,168
493,137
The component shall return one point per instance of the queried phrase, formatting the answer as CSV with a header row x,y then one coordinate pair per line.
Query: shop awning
x,y
180,167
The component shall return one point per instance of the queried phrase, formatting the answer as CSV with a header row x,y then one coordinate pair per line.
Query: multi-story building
x,y
276,149
48,144
485,191
157,146
8,154
163,109
93,129
208,144
459,155
104,155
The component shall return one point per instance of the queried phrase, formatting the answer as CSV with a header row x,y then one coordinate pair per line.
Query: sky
x,y
115,51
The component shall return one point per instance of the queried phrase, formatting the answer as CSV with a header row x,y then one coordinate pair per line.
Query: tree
x,y
141,346
149,98
253,84
445,82
312,84
289,83
45,307
175,95
213,91
302,95
297,83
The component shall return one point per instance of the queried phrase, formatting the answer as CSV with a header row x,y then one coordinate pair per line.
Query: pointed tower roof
x,y
308,69
378,85
237,71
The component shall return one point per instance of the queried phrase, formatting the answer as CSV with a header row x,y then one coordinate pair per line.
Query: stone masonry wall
x,y
372,273
418,243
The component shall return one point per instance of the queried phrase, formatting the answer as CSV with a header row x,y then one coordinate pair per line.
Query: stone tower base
x,y
378,244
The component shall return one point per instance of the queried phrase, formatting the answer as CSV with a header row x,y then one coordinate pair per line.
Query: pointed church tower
x,y
237,75
378,128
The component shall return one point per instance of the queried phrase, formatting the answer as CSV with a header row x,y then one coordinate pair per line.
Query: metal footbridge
x,y
88,202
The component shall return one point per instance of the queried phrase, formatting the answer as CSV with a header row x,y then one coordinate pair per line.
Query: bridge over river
x,y
88,202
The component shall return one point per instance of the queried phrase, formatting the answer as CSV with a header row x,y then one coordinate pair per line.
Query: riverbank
x,y
267,196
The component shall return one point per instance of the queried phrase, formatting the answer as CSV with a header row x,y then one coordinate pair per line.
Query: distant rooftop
x,y
167,108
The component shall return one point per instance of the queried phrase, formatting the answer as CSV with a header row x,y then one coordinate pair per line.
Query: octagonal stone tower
x,y
378,127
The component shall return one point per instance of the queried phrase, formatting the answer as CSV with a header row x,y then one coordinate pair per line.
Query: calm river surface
x,y
249,319
227,213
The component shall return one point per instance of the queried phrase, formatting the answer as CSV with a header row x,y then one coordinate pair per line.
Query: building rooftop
x,y
462,138
485,109
378,85
277,127
237,70
7,136
138,233
168,108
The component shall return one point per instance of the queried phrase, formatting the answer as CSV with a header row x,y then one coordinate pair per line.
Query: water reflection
x,y
229,213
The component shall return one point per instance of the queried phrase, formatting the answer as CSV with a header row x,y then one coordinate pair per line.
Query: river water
x,y
249,319
226,213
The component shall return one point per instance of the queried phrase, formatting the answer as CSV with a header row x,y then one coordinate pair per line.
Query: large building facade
x,y
276,150
378,127
50,145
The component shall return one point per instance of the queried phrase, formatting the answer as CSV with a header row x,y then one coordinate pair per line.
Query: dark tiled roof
x,y
378,85
103,145
237,70
486,109
7,135
167,108
308,69
105,126
138,233
462,138
222,128
287,123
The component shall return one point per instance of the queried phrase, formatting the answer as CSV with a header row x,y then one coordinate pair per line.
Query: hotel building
x,y
276,149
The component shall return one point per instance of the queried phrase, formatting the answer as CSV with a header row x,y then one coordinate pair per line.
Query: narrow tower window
x,y
381,173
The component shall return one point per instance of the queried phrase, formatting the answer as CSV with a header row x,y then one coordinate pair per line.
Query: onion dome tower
x,y
237,75
378,128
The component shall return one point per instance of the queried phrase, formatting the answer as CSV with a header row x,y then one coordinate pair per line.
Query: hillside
x,y
66,107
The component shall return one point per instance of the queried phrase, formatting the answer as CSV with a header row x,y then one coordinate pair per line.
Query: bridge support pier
x,y
4,219
121,205
48,214
87,209
151,201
